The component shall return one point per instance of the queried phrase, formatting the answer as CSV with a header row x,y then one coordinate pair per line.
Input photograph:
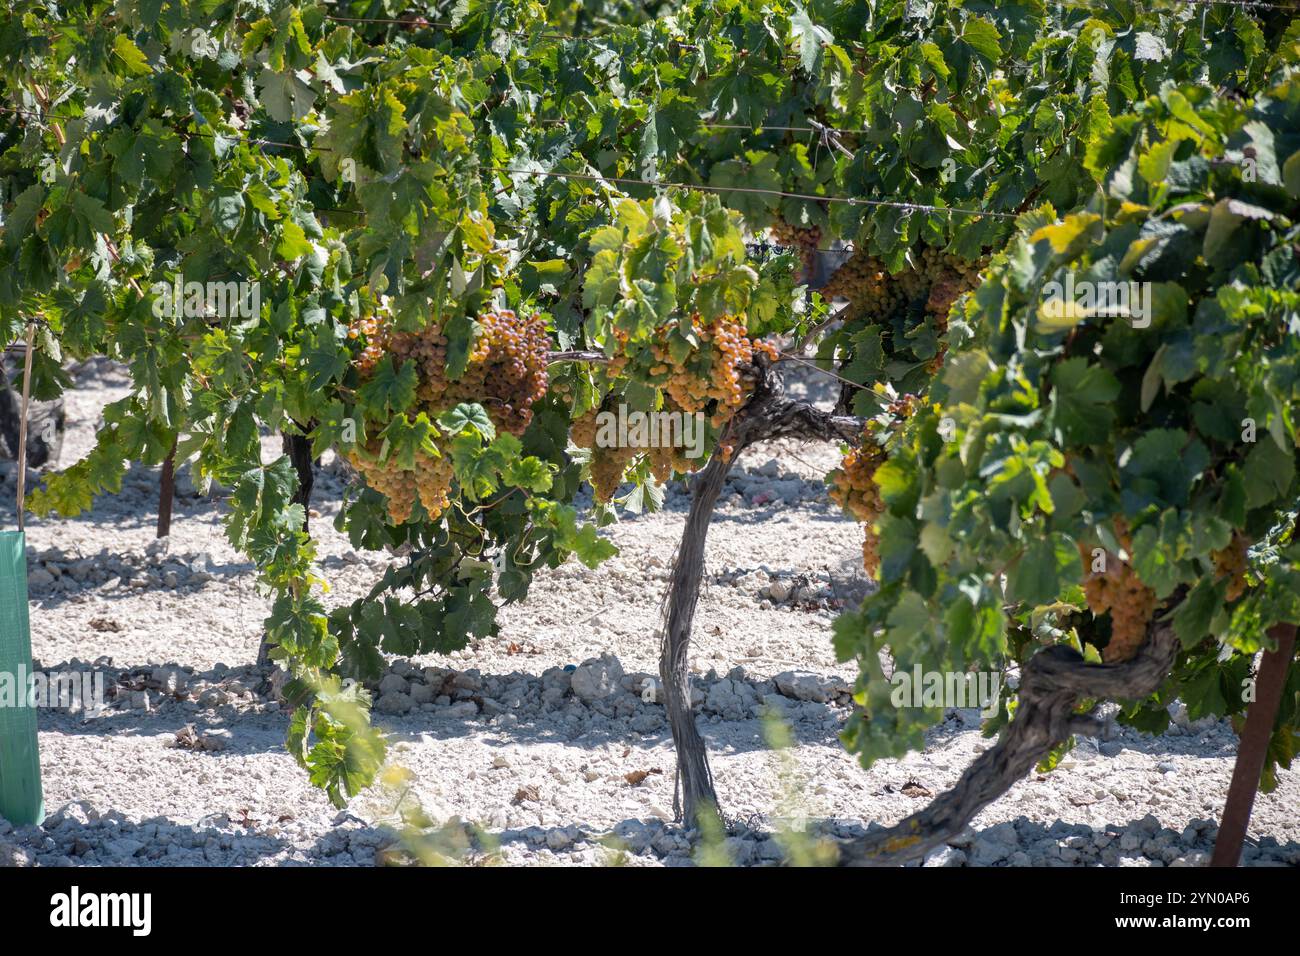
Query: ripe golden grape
x,y
853,488
506,373
1230,562
1119,591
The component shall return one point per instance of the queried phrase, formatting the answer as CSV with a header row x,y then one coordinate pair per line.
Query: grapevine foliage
x,y
1077,473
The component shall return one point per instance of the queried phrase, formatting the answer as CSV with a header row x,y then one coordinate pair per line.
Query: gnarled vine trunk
x,y
298,448
1053,683
167,493
693,790
768,414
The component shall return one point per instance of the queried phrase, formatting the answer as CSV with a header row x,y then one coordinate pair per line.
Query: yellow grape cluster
x,y
1119,591
725,351
618,362
583,430
867,285
607,464
607,468
429,482
707,379
853,488
506,373
666,462
507,370
374,334
1230,562
938,278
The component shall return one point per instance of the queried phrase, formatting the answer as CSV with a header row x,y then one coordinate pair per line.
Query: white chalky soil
x,y
546,771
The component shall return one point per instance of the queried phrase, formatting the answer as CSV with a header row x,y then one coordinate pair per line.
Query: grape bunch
x,y
507,370
664,462
374,333
807,239
865,282
429,481
428,349
937,280
607,468
1230,562
711,375
506,373
583,430
1119,591
618,362
708,378
853,488
607,464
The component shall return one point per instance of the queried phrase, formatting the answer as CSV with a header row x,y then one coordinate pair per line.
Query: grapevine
x,y
1060,464
432,210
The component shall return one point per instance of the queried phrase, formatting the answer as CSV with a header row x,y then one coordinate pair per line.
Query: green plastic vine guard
x,y
21,801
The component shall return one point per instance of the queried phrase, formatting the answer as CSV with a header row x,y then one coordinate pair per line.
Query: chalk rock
x,y
597,678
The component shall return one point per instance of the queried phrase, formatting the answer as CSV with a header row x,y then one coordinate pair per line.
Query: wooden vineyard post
x,y
1254,747
21,800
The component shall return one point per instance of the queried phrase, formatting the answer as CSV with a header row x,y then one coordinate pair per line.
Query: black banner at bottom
x,y
344,904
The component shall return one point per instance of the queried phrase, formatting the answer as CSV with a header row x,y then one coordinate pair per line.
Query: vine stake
x,y
1248,770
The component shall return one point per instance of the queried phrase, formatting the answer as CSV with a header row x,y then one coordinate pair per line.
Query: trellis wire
x,y
420,23
629,180
850,200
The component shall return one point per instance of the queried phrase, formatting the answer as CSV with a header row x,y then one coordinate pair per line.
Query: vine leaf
x,y
810,38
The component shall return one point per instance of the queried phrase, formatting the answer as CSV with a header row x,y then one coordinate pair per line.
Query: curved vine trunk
x,y
1053,683
693,789
768,414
